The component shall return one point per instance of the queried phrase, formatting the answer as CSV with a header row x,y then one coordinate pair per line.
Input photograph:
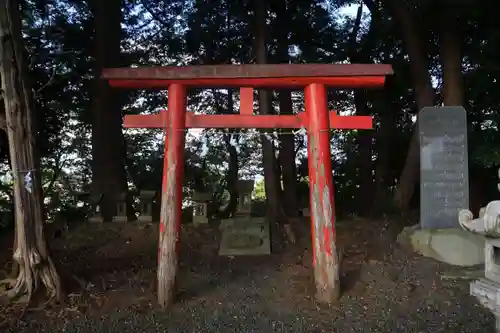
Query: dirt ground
x,y
110,271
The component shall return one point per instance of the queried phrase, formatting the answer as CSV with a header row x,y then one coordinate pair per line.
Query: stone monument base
x,y
453,246
244,236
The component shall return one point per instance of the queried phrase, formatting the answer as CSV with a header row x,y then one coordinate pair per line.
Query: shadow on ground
x,y
110,272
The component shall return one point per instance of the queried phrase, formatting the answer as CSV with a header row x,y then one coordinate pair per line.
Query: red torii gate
x,y
314,78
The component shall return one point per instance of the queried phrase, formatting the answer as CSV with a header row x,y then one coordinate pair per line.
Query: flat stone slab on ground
x,y
244,236
453,246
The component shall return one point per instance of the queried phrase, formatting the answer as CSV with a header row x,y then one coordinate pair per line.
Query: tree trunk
x,y
31,251
271,180
362,161
108,149
451,57
232,172
383,179
287,159
287,139
424,94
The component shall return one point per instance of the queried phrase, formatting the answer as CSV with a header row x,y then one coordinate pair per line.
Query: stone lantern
x,y
487,289
146,199
121,208
200,207
245,189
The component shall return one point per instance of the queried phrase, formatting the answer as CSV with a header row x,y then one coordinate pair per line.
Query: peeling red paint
x,y
327,239
171,201
326,268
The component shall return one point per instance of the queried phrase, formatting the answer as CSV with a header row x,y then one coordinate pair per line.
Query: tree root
x,y
31,273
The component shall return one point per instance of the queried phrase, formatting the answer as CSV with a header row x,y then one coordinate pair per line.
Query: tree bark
x,y
287,159
362,161
233,167
287,139
108,147
271,180
424,94
451,57
31,251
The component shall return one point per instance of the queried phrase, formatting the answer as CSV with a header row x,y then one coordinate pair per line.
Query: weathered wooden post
x,y
171,198
325,260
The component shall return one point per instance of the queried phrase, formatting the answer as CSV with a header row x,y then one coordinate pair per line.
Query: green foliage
x,y
259,192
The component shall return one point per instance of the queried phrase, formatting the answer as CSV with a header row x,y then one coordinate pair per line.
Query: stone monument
x,y
444,173
121,208
444,190
487,290
243,234
146,199
200,207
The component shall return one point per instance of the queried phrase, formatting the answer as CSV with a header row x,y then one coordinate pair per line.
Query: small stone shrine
x,y
487,290
200,207
121,208
444,172
242,234
95,205
146,199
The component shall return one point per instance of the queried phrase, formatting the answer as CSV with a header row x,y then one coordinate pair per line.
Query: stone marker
x,y
444,173
95,204
200,207
245,236
121,208
146,205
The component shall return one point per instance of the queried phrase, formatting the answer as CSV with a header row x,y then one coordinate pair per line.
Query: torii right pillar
x,y
326,261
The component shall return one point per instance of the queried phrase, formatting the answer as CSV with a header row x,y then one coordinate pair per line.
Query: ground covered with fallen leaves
x,y
110,272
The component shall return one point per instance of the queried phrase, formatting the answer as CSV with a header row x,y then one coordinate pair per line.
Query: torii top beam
x,y
257,76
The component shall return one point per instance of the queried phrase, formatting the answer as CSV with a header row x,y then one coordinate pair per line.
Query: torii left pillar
x,y
171,206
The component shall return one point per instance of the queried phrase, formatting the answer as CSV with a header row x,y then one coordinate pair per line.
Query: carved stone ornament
x,y
488,222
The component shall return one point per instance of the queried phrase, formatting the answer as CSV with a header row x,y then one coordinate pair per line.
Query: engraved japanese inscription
x,y
444,173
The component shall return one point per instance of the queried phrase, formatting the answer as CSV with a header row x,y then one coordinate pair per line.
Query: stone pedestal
x,y
245,236
146,199
200,207
121,209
